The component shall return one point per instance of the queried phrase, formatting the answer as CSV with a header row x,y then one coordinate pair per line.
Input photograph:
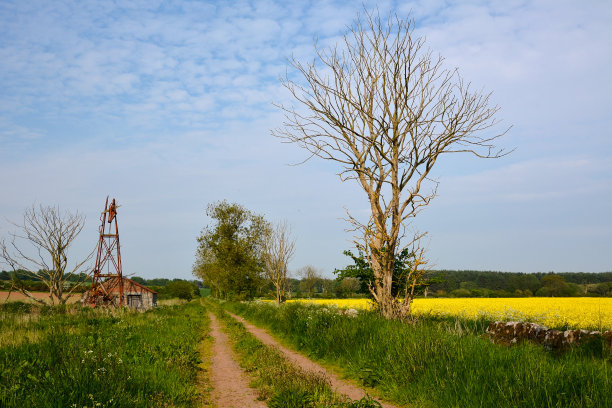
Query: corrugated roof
x,y
115,287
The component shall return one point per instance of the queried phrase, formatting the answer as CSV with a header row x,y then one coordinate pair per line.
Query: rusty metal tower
x,y
107,283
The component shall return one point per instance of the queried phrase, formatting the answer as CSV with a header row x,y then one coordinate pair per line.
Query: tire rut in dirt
x,y
230,384
343,387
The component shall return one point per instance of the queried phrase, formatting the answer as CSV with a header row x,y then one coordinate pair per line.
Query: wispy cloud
x,y
168,106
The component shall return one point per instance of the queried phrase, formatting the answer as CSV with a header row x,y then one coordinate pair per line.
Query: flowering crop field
x,y
580,313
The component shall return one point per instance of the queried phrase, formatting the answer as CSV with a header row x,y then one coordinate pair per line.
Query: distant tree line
x,y
172,288
25,276
449,283
166,288
235,261
32,283
453,283
505,284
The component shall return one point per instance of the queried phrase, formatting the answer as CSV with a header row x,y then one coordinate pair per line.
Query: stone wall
x,y
510,333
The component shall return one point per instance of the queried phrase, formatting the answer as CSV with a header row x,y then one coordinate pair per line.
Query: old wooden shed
x,y
137,296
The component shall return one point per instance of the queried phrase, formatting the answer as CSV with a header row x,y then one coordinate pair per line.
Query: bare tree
x,y
39,249
311,277
385,109
279,248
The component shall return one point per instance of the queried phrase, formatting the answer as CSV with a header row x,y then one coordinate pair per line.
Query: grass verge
x,y
436,362
205,352
82,357
280,383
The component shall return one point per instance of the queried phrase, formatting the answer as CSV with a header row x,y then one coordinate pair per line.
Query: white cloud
x,y
167,105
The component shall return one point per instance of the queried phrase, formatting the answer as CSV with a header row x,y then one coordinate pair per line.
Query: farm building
x,y
137,296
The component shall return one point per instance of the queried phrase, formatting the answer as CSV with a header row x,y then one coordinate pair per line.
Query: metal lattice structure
x,y
107,284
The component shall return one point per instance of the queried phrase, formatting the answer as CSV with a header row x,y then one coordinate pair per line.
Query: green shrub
x,y
182,289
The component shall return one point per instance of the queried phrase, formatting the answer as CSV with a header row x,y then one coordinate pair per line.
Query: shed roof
x,y
112,285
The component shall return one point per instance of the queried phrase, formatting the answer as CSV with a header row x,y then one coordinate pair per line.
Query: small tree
x,y
360,269
39,250
408,274
229,257
348,286
383,108
554,285
310,278
328,286
279,248
182,289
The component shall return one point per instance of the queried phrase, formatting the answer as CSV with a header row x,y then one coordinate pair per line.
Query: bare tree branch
x,y
385,109
39,249
279,248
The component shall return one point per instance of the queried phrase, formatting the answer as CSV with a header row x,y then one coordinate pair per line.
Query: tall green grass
x,y
82,357
439,363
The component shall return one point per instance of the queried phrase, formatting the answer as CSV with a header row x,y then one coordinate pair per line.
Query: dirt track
x,y
230,384
341,386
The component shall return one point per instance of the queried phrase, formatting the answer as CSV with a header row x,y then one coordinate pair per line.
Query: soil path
x,y
230,384
341,386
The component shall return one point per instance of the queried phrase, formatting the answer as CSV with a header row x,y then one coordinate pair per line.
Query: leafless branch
x,y
386,109
279,248
39,250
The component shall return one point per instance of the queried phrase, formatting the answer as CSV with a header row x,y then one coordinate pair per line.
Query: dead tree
x,y
39,249
385,109
279,248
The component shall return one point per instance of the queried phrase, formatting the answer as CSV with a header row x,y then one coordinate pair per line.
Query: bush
x,y
461,293
182,289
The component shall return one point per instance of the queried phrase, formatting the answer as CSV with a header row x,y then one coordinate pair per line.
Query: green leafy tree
x,y
360,269
402,266
555,285
182,289
601,289
138,279
348,287
229,258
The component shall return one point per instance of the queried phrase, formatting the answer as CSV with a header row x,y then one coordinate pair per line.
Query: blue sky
x,y
167,106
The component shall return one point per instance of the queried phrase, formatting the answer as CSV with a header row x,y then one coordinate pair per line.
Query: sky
x,y
168,106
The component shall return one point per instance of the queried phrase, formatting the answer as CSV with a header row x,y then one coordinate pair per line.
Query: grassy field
x,y
81,357
439,362
594,313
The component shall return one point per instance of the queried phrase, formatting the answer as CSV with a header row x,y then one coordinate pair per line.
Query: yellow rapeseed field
x,y
579,313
